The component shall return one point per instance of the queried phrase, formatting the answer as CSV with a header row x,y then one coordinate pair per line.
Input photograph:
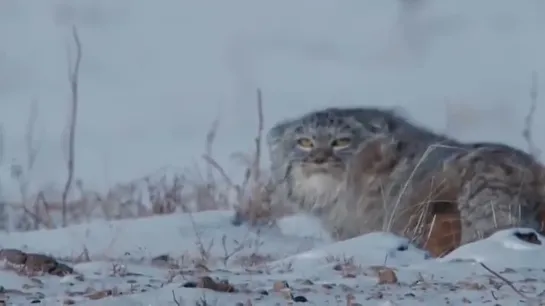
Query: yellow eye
x,y
305,143
341,142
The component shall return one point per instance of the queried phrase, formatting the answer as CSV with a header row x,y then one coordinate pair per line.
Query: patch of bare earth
x,y
33,264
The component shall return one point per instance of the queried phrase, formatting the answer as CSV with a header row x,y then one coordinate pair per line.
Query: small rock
x,y
35,263
510,270
387,276
190,285
208,283
40,263
471,285
300,299
13,256
99,294
529,237
307,282
280,286
328,286
346,288
351,300
402,248
161,259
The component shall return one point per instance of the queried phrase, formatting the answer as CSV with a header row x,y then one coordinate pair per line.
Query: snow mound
x,y
173,235
503,250
316,269
302,225
373,249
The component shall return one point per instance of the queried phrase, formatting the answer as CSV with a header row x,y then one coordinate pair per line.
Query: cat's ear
x,y
353,123
380,126
281,131
400,145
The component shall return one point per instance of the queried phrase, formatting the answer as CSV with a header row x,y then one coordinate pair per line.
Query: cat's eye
x,y
342,142
305,143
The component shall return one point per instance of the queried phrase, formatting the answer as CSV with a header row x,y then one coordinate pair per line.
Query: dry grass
x,y
155,194
163,192
441,231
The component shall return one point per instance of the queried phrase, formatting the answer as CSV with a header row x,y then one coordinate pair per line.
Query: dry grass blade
x,y
210,137
215,165
528,121
257,158
405,186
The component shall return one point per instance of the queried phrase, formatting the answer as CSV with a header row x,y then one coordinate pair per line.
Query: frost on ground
x,y
186,259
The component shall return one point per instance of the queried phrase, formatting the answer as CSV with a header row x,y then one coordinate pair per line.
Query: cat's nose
x,y
320,159
321,156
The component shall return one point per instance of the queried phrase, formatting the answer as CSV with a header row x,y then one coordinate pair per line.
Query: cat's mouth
x,y
333,168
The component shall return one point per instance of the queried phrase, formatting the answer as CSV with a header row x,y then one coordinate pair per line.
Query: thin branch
x,y
204,252
32,150
529,119
226,254
73,77
257,159
174,299
510,284
210,161
210,137
1,143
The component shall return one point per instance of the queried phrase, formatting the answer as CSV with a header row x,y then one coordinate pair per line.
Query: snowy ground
x,y
148,261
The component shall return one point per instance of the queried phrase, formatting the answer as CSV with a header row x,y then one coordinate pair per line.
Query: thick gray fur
x,y
496,186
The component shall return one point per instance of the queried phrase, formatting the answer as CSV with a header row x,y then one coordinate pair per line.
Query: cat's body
x,y
360,170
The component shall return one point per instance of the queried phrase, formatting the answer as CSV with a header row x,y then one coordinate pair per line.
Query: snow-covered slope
x,y
150,261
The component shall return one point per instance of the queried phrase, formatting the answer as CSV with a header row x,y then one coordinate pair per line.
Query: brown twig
x,y
73,77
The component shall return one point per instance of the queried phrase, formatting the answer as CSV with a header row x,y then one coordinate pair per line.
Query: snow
x,y
154,77
121,258
514,251
135,240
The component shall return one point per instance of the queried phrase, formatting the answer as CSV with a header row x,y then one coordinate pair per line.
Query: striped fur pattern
x,y
360,170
